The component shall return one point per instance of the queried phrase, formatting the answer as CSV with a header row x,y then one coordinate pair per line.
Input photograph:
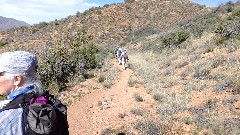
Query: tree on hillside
x,y
129,1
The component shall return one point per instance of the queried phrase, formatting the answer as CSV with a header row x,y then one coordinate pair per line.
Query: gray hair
x,y
27,80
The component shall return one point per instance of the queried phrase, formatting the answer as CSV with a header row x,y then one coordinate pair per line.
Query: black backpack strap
x,y
20,101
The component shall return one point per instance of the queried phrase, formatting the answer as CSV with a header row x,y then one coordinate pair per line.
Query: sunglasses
x,y
2,73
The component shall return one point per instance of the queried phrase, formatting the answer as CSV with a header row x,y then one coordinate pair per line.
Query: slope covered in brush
x,y
110,24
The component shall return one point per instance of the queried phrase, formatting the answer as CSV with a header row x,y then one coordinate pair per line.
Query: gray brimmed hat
x,y
18,62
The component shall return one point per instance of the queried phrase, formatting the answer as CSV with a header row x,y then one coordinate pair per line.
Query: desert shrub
x,y
175,38
211,103
62,62
131,82
129,1
78,14
159,97
218,40
228,30
235,84
222,85
219,28
168,71
118,131
102,78
88,75
107,84
37,27
2,44
234,14
188,121
137,112
172,106
229,6
201,73
102,56
143,32
111,75
230,100
182,64
138,97
149,127
217,62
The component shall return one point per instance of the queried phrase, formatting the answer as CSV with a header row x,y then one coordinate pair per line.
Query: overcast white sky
x,y
35,11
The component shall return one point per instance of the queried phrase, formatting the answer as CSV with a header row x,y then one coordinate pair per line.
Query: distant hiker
x,y
119,52
116,52
124,58
27,109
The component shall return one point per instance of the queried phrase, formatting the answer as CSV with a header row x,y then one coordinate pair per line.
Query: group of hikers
x,y
121,57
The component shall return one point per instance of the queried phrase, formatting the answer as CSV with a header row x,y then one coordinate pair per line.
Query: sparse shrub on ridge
x,y
129,1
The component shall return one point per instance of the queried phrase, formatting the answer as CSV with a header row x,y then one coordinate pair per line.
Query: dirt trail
x,y
107,108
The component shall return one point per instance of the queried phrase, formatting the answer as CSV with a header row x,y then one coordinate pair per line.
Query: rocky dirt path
x,y
108,108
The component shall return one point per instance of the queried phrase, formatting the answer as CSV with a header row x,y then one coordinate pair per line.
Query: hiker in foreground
x,y
27,109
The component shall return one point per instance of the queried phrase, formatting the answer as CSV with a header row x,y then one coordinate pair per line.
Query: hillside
x,y
111,24
9,23
183,75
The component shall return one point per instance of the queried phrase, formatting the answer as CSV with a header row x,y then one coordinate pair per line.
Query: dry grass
x,y
176,78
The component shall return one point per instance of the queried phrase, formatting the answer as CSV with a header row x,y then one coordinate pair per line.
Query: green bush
x,y
102,78
235,84
229,29
63,62
150,127
129,1
2,44
175,38
138,98
234,14
220,28
159,97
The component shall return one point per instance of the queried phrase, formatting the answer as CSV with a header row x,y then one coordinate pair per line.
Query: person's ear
x,y
18,80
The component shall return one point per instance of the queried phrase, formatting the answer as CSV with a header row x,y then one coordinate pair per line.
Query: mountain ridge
x,y
9,23
111,24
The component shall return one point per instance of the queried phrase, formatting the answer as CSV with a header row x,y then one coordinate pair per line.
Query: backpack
x,y
116,50
125,55
119,51
43,114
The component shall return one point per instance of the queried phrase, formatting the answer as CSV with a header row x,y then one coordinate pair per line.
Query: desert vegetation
x,y
188,63
179,65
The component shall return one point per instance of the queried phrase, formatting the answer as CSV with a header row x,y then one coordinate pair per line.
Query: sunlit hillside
x,y
186,56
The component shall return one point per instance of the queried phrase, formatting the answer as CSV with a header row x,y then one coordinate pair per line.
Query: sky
x,y
36,11
212,3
